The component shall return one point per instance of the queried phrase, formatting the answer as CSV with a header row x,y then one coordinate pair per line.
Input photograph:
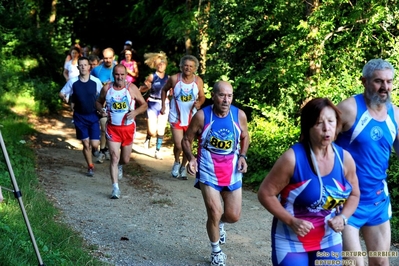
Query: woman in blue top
x,y
156,122
311,190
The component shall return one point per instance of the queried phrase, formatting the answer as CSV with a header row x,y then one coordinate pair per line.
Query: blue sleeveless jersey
x,y
219,147
157,85
369,142
306,198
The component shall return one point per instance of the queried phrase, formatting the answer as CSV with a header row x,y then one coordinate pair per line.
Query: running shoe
x,y
218,259
95,153
107,155
90,171
101,157
183,173
175,170
222,239
146,144
120,171
158,155
116,193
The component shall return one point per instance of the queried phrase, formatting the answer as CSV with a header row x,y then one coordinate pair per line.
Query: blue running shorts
x,y
232,187
87,126
371,214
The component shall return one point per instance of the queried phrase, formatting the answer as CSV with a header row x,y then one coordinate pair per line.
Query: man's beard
x,y
120,82
376,100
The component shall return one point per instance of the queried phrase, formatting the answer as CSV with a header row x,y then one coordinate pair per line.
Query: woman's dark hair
x,y
310,114
76,49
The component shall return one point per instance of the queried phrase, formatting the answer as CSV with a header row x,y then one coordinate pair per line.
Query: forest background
x,y
277,54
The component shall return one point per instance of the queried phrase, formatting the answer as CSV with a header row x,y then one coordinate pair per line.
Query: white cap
x,y
129,43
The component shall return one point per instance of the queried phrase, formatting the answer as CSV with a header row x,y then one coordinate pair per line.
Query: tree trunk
x,y
314,56
188,44
53,11
203,20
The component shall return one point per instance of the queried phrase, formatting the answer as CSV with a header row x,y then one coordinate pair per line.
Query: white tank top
x,y
119,103
182,106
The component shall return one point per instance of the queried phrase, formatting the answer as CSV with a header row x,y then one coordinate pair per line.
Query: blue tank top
x,y
220,135
157,85
219,147
369,142
308,198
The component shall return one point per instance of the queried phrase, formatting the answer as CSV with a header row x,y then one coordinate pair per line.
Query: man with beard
x,y
120,98
369,130
104,72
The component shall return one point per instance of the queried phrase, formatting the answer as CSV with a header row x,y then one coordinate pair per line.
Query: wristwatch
x,y
345,219
243,156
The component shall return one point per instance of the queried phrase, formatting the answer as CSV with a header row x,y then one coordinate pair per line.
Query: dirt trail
x,y
159,220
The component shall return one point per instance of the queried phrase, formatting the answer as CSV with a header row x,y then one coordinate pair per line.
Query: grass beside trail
x,y
57,244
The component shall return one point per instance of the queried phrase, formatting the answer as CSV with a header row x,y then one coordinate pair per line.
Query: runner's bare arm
x,y
168,86
244,141
201,95
101,99
348,109
147,83
136,94
396,142
194,129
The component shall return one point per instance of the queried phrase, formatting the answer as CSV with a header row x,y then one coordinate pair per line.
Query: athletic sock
x,y
159,142
221,226
215,247
115,185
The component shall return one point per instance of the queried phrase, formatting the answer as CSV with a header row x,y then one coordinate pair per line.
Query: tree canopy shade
x,y
277,54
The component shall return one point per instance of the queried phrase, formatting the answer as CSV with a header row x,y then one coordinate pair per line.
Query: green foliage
x,y
58,244
268,141
16,79
277,54
393,180
46,97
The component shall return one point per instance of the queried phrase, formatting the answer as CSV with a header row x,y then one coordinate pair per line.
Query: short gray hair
x,y
189,58
376,64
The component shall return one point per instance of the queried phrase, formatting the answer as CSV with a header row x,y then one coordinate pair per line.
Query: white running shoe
x,y
158,155
95,153
146,144
116,194
175,170
120,171
183,173
107,155
101,157
218,259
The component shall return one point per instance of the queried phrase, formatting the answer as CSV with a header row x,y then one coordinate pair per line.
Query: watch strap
x,y
243,156
344,218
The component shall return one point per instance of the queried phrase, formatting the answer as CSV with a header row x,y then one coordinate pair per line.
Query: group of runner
x,y
105,103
